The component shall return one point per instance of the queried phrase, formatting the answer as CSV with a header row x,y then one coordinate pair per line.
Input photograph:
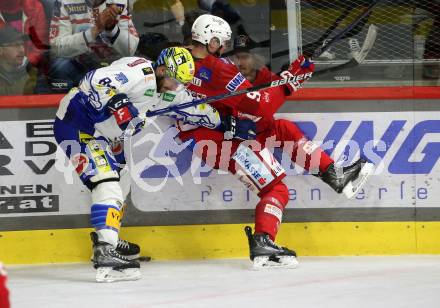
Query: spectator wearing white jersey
x,y
88,34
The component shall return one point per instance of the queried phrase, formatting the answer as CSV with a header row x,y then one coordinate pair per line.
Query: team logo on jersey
x,y
168,97
54,30
117,147
121,78
147,71
196,81
76,8
235,82
80,162
204,74
149,92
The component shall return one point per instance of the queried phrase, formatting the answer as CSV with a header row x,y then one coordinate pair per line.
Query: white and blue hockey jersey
x,y
108,98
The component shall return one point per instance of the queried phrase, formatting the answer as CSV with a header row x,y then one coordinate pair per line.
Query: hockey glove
x,y
299,71
241,129
122,109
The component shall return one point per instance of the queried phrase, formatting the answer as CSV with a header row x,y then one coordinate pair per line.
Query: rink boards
x,y
179,210
228,241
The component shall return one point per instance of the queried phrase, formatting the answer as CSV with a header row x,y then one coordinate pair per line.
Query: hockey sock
x,y
269,211
106,211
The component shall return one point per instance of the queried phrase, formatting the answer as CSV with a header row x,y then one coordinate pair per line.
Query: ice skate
x,y
348,180
129,250
110,265
266,254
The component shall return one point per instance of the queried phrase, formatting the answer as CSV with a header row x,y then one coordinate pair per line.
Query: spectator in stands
x,y
432,43
14,76
48,8
87,34
28,17
251,65
152,43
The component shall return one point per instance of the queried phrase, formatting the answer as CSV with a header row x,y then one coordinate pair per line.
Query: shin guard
x,y
269,211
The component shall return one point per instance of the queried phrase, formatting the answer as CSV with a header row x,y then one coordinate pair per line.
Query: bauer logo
x,y
28,199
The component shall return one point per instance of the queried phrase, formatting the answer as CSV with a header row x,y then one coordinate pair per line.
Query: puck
x,y
145,258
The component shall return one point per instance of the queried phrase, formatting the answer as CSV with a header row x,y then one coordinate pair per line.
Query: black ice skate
x,y
110,265
265,253
131,251
348,180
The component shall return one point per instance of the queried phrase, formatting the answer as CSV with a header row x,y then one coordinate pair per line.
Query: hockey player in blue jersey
x,y
95,116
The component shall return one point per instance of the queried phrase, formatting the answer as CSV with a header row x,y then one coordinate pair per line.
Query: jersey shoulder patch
x,y
204,74
235,82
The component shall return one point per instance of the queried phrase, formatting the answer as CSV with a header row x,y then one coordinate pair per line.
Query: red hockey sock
x,y
269,211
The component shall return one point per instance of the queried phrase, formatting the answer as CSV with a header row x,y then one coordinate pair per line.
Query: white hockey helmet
x,y
207,26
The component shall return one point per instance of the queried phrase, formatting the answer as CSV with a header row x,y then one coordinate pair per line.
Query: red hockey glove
x,y
299,71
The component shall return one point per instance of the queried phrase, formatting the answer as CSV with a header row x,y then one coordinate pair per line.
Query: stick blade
x,y
370,39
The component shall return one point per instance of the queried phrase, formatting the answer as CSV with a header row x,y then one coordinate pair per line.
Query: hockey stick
x,y
316,48
330,29
215,98
358,57
342,34
154,24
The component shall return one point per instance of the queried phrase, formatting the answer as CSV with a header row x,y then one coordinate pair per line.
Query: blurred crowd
x,y
47,46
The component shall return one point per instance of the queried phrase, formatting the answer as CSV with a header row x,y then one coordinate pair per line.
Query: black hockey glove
x,y
241,129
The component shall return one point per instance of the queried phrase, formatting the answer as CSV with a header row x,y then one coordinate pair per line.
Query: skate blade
x,y
108,274
264,262
129,257
352,188
132,257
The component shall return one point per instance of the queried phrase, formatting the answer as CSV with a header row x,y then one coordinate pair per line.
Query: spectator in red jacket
x,y
28,17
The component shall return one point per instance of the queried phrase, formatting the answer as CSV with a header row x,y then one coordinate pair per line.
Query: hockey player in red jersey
x,y
4,293
257,73
252,162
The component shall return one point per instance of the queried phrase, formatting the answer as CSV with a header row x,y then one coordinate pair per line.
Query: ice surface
x,y
331,282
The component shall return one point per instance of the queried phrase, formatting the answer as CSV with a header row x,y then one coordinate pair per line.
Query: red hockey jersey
x,y
216,76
